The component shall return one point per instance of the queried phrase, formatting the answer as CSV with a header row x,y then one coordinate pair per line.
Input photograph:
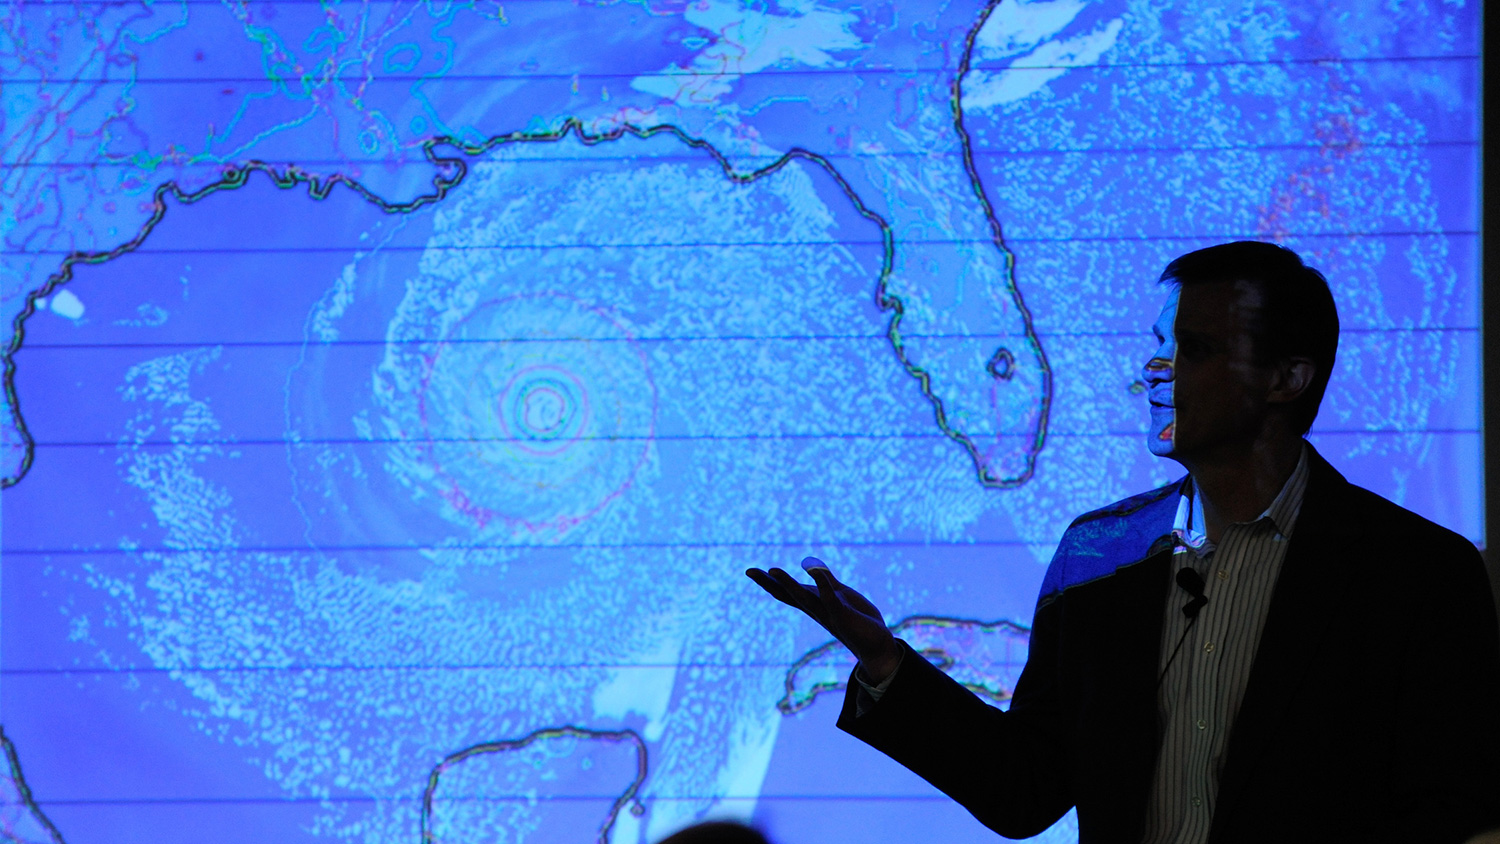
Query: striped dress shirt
x,y
1203,685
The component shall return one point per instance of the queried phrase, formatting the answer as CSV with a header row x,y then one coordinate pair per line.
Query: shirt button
x,y
1208,647
1197,801
1202,724
1223,575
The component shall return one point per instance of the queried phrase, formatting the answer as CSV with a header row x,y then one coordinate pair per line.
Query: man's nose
x,y
1157,370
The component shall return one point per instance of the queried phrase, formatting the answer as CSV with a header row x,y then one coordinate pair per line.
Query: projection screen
x,y
397,391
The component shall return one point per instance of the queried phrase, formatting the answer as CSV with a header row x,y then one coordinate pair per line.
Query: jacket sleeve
x,y
1010,769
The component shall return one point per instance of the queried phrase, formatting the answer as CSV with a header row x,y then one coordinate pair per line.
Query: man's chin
x,y
1163,442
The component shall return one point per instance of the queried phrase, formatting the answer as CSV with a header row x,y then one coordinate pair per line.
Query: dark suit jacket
x,y
1372,711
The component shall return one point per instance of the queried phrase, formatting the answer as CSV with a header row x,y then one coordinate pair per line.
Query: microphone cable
x,y
1192,583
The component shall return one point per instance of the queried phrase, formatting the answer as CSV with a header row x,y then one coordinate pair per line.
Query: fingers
x,y
827,587
805,597
811,563
769,583
828,602
785,588
823,576
821,601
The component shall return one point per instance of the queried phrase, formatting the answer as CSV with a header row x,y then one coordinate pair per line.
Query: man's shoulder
x,y
1100,542
1379,521
1134,506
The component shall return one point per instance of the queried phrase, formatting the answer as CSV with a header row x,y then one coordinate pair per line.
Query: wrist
x,y
878,668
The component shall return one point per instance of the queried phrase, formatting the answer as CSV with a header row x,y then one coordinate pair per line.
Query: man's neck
x,y
1240,486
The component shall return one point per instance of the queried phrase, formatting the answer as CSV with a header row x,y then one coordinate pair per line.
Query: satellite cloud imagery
x,y
396,391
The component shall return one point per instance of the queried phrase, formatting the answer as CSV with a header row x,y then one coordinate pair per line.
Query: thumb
x,y
828,588
816,567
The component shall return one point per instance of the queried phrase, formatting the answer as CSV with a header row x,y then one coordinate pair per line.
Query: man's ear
x,y
1293,378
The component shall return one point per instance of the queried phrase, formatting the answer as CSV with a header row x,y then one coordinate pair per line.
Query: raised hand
x,y
843,612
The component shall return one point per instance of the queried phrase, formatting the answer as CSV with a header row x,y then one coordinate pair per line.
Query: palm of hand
x,y
840,610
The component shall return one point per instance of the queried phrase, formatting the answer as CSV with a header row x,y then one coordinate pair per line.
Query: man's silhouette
x,y
1259,652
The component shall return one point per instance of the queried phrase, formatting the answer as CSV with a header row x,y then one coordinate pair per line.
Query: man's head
x,y
1247,340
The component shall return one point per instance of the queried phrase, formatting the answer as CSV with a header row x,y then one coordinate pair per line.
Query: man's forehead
x,y
1168,316
1211,305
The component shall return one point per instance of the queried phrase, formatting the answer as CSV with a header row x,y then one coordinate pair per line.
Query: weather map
x,y
397,391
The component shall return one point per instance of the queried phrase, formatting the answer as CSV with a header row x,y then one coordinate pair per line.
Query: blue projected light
x,y
397,391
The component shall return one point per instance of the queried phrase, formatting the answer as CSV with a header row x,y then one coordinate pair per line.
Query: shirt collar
x,y
1288,503
1188,524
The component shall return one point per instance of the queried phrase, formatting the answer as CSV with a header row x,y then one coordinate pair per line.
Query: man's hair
x,y
1297,317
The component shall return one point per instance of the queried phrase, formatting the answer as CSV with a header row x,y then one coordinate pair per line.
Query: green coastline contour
x,y
628,797
13,763
795,700
451,172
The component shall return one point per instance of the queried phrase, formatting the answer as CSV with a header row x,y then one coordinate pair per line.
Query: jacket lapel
x,y
1132,675
1298,616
